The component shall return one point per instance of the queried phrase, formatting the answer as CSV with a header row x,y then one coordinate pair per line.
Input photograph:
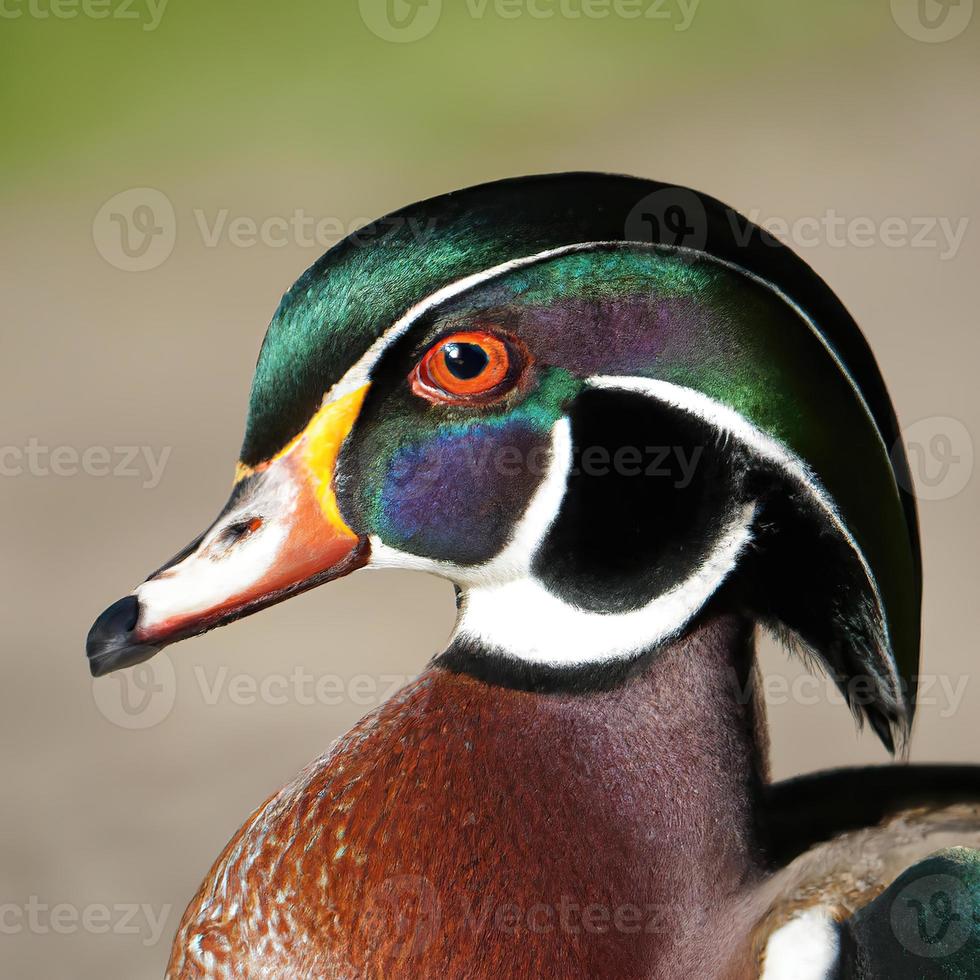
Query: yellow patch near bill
x,y
320,445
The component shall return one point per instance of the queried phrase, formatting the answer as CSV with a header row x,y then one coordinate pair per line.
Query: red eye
x,y
474,367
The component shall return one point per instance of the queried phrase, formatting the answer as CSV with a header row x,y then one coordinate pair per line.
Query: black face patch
x,y
650,490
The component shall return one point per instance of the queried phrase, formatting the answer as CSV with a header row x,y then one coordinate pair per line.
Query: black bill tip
x,y
110,644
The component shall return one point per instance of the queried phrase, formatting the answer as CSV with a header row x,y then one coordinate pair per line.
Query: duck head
x,y
596,427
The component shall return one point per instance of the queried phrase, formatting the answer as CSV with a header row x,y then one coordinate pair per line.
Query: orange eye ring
x,y
467,367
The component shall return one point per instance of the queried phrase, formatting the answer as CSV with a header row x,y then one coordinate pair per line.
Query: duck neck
x,y
650,778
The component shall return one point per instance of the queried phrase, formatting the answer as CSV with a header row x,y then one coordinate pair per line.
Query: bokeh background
x,y
142,330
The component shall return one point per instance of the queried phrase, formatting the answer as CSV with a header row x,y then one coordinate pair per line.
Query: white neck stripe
x,y
726,419
515,560
524,619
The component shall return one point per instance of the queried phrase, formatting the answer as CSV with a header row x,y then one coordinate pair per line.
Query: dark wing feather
x,y
802,812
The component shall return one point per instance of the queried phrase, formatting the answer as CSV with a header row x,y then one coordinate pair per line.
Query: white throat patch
x,y
505,607
524,619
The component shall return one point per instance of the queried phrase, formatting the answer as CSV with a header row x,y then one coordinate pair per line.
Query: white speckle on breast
x,y
806,948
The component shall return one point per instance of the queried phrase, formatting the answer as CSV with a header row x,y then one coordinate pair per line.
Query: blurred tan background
x,y
858,119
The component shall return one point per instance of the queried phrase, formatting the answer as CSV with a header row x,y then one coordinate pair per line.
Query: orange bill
x,y
280,533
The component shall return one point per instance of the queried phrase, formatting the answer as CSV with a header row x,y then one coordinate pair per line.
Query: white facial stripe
x,y
360,373
806,948
207,577
515,560
523,619
726,419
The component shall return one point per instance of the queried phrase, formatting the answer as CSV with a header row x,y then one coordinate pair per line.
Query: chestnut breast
x,y
467,830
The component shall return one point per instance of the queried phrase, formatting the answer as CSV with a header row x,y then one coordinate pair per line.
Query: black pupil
x,y
465,361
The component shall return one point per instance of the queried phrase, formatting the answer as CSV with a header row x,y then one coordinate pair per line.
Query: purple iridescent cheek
x,y
457,495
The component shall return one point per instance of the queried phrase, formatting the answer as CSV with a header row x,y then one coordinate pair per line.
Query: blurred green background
x,y
201,85
785,110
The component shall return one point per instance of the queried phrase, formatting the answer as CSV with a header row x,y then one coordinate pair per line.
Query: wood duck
x,y
629,448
